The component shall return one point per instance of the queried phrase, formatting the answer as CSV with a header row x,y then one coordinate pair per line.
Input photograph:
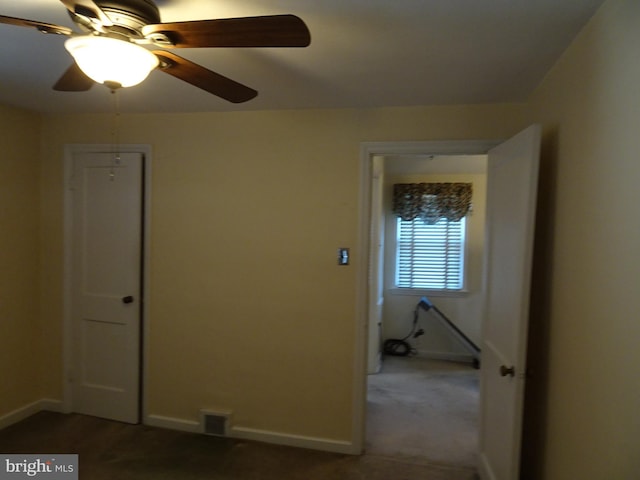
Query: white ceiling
x,y
363,53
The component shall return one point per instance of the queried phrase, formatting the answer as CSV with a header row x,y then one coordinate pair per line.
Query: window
x,y
430,256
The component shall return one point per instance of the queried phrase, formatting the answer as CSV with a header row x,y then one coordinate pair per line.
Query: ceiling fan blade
x,y
203,78
73,80
87,8
265,31
43,27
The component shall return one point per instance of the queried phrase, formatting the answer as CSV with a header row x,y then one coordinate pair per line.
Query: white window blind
x,y
430,256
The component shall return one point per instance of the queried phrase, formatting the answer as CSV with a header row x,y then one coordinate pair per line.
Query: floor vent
x,y
215,423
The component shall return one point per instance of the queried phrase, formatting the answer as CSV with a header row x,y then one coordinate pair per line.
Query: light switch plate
x,y
343,256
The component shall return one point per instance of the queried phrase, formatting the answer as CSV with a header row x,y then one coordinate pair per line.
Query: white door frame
x,y
367,151
69,151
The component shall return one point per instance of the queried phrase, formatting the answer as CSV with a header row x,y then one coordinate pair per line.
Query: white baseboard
x,y
191,426
173,423
265,436
26,411
449,356
314,443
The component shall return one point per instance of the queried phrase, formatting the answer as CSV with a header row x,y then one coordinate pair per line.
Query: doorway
x,y
423,407
369,151
511,206
106,215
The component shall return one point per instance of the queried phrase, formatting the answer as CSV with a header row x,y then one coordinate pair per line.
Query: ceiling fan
x,y
110,49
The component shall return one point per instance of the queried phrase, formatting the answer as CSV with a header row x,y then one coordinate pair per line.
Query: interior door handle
x,y
507,371
127,299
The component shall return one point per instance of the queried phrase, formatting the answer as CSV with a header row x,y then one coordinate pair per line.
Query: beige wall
x,y
588,326
19,259
249,311
464,310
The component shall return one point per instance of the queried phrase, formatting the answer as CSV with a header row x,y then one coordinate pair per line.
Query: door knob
x,y
127,299
507,371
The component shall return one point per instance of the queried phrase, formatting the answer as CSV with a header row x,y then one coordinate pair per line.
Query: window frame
x,y
397,290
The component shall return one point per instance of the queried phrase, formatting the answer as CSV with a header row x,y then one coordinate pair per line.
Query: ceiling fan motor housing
x,y
129,16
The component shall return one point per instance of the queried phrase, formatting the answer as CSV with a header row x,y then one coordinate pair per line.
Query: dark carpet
x,y
112,450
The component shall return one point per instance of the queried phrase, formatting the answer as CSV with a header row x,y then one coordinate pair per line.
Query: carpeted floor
x,y
116,451
424,411
421,425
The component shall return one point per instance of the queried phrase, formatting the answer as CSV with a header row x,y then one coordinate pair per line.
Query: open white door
x,y
107,209
511,201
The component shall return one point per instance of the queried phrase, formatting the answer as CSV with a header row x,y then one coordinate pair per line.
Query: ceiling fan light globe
x,y
111,61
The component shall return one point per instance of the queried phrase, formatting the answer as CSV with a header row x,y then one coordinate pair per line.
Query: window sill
x,y
417,292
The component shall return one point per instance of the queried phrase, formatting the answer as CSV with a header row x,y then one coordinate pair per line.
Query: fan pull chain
x,y
115,134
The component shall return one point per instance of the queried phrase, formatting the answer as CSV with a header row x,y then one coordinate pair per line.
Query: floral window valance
x,y
432,201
